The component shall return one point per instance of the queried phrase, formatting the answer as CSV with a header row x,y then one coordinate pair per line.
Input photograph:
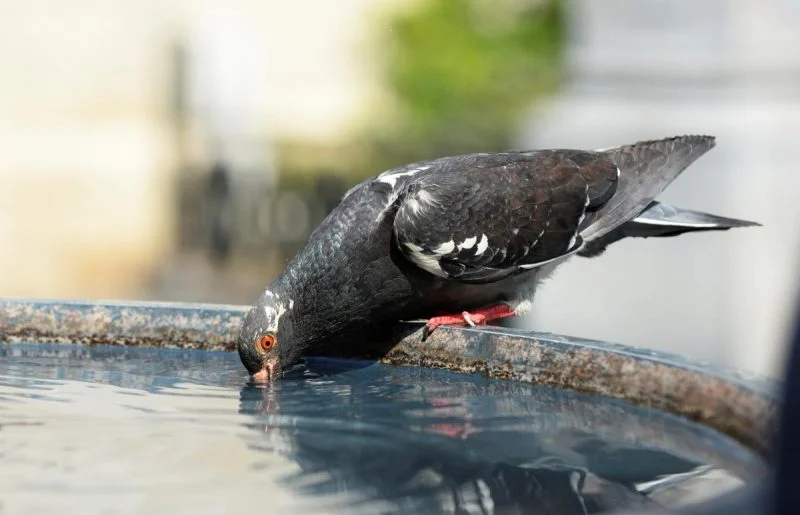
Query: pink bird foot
x,y
471,318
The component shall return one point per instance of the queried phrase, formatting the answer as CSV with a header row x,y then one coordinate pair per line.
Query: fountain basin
x,y
737,409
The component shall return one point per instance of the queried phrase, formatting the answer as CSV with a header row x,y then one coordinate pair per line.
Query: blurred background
x,y
183,150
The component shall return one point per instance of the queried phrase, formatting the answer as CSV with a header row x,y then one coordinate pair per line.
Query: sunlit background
x,y
183,150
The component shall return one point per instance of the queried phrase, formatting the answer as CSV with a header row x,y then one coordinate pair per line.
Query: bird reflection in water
x,y
403,439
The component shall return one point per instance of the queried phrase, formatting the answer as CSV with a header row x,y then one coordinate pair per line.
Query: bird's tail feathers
x,y
645,168
662,220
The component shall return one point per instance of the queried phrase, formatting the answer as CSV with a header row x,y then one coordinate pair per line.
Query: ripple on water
x,y
122,430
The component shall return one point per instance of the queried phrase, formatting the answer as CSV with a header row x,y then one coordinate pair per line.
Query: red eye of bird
x,y
266,342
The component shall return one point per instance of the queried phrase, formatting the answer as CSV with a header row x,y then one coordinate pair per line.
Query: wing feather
x,y
481,217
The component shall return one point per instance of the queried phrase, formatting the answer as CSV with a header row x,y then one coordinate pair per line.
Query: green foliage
x,y
462,72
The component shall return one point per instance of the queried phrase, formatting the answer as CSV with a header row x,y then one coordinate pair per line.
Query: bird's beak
x,y
267,372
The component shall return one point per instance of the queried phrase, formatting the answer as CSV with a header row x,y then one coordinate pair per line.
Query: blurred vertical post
x,y
225,92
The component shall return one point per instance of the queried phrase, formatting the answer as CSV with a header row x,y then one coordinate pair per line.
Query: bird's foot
x,y
471,318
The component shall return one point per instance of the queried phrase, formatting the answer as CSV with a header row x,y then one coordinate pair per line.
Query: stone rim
x,y
739,405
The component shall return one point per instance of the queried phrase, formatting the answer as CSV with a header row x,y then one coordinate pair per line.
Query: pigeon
x,y
462,240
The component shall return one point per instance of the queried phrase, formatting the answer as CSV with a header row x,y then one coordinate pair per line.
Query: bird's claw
x,y
435,322
472,319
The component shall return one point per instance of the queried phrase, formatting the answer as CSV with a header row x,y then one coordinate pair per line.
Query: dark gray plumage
x,y
467,235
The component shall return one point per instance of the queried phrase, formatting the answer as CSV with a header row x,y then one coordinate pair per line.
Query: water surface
x,y
107,430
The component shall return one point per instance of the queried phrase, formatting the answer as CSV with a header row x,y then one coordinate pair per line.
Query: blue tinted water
x,y
118,430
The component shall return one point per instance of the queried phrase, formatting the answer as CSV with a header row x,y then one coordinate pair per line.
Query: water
x,y
117,430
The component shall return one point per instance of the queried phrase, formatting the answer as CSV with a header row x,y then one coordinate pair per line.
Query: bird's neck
x,y
343,282
320,310
330,316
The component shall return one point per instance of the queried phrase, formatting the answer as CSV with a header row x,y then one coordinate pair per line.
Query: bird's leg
x,y
471,318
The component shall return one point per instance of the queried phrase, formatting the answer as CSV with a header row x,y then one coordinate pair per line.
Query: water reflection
x,y
127,367
404,439
178,428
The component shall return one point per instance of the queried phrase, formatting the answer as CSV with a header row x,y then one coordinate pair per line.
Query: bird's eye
x,y
266,342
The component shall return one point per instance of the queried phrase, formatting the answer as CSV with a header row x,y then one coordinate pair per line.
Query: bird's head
x,y
265,342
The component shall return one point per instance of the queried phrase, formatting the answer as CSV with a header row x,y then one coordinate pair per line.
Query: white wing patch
x,y
391,178
445,248
482,245
424,261
468,243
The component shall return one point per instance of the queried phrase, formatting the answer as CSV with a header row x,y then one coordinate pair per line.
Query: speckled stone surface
x,y
742,406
